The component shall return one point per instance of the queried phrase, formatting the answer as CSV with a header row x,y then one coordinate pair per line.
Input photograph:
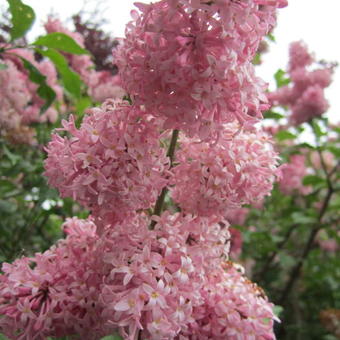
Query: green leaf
x,y
3,67
112,337
271,37
302,218
284,135
317,129
11,156
305,145
23,17
280,78
312,180
277,310
273,115
70,79
82,104
44,91
60,41
257,59
334,150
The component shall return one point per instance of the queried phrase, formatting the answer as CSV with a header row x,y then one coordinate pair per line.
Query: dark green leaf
x,y
280,78
70,79
44,91
23,17
284,135
47,93
3,67
273,115
312,180
60,41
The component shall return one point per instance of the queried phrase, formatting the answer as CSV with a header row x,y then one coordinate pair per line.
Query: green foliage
x,y
281,78
317,129
284,135
70,79
313,180
44,91
112,337
22,19
273,115
60,41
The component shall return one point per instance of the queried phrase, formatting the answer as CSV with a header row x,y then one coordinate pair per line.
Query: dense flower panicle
x,y
244,21
239,169
186,64
54,293
157,275
192,67
19,101
311,104
169,283
292,176
305,95
234,308
299,56
113,164
14,96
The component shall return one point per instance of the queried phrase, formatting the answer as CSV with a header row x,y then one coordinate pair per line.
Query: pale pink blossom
x,y
112,164
191,62
239,169
304,96
293,173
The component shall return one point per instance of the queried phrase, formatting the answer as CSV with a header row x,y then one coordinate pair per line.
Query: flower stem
x,y
160,200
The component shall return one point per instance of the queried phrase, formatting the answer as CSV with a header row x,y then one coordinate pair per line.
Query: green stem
x,y
160,200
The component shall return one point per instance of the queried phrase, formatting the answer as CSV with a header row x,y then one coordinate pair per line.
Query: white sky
x,y
314,21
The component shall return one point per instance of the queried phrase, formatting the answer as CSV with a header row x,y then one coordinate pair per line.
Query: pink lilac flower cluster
x,y
19,101
232,308
54,293
101,84
292,175
190,61
212,179
163,276
112,164
157,282
305,95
